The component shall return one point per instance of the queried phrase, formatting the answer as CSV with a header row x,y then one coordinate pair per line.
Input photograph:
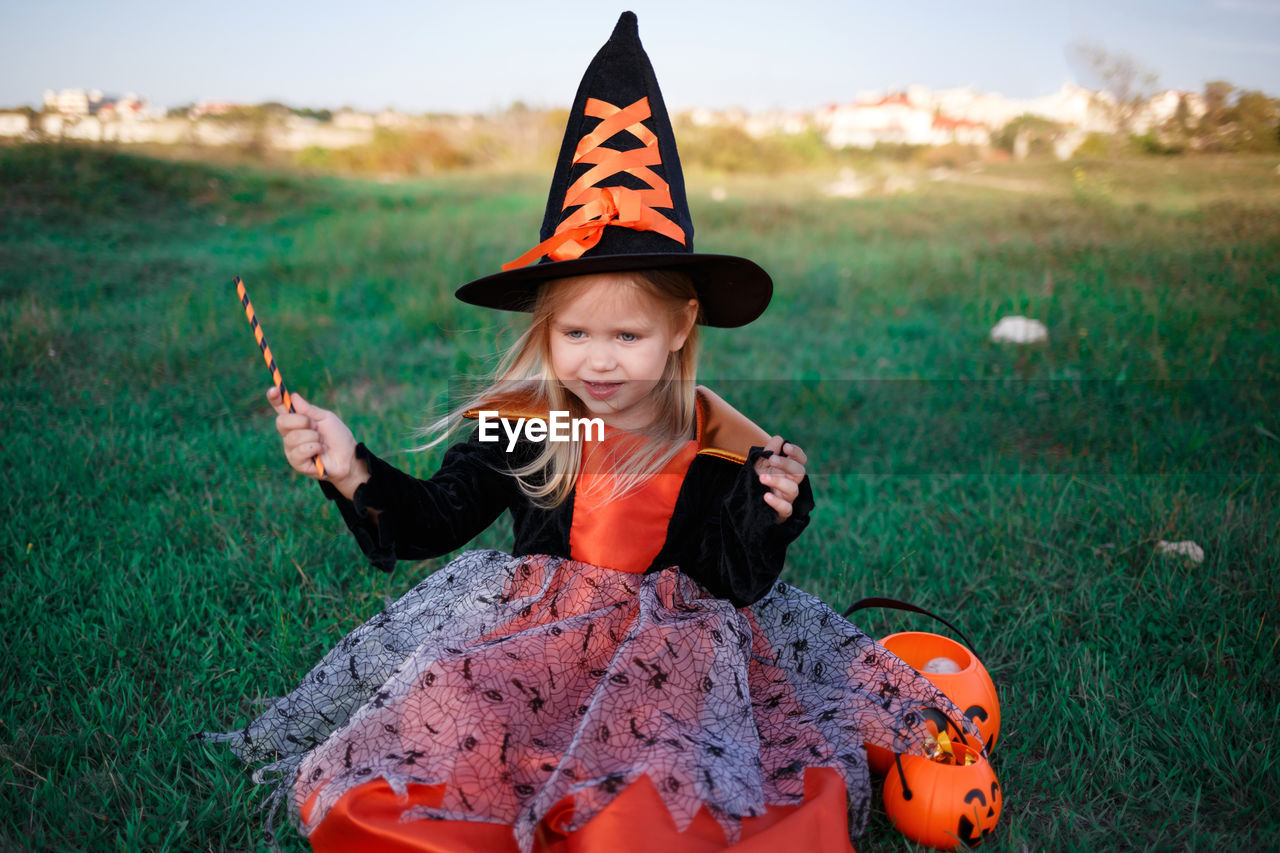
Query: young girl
x,y
632,676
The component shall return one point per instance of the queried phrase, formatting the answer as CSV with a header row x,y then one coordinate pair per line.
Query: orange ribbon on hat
x,y
604,206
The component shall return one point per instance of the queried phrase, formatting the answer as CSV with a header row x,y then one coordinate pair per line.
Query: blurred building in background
x,y
914,116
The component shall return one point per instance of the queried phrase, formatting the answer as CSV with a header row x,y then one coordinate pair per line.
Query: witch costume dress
x,y
633,675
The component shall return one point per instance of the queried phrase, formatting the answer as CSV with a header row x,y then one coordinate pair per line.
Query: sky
x,y
476,56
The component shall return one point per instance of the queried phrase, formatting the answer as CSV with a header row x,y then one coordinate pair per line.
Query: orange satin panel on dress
x,y
367,819
625,533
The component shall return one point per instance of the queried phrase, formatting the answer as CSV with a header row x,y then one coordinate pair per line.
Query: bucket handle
x,y
895,604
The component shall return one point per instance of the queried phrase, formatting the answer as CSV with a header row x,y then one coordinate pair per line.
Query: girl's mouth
x,y
601,390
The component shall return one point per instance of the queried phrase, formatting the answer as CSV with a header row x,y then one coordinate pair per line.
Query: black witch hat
x,y
617,199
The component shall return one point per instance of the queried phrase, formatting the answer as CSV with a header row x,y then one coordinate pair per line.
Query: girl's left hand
x,y
781,473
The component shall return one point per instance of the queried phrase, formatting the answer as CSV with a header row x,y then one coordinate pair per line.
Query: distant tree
x,y
1237,120
1027,135
260,122
1180,121
319,115
1254,119
1175,135
1128,82
1217,100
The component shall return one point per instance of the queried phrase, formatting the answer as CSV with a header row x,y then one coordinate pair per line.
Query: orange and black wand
x,y
266,354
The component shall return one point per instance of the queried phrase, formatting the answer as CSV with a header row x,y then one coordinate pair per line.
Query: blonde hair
x,y
524,374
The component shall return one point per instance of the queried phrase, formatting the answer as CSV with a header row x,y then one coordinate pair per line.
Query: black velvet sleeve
x,y
743,546
396,516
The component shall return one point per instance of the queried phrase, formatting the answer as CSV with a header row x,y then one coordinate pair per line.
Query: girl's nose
x,y
601,358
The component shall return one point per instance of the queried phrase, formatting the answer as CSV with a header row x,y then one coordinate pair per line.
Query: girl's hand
x,y
309,432
781,473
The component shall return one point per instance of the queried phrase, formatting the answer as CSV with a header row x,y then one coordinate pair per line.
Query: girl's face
x,y
609,346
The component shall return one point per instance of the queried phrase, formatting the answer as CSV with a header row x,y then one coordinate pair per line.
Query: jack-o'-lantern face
x,y
981,718
945,801
975,826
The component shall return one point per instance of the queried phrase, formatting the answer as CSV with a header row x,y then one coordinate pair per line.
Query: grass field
x,y
163,570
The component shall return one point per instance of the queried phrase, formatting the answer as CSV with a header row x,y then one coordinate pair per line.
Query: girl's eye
x,y
575,334
627,337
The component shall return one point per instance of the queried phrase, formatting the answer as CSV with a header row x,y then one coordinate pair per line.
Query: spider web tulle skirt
x,y
523,683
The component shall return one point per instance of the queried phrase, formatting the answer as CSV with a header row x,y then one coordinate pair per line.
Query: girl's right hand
x,y
310,432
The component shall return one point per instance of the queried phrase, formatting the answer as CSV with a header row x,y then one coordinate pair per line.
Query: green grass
x,y
163,570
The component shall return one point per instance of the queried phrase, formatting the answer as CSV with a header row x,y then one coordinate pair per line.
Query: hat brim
x,y
732,291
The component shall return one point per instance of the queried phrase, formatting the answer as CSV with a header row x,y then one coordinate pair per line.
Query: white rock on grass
x,y
1019,330
1186,548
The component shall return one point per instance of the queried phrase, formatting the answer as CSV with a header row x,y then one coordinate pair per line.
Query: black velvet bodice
x,y
721,532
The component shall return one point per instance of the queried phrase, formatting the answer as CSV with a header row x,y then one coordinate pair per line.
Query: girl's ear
x,y
684,321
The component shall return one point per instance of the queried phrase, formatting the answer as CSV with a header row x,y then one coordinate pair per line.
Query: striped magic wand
x,y
266,354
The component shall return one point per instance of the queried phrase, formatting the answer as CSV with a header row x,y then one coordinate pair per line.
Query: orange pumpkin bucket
x,y
968,684
970,688
944,801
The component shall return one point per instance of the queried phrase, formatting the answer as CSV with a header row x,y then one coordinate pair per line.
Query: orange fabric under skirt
x,y
367,818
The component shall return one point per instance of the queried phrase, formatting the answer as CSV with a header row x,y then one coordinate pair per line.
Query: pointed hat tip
x,y
627,26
